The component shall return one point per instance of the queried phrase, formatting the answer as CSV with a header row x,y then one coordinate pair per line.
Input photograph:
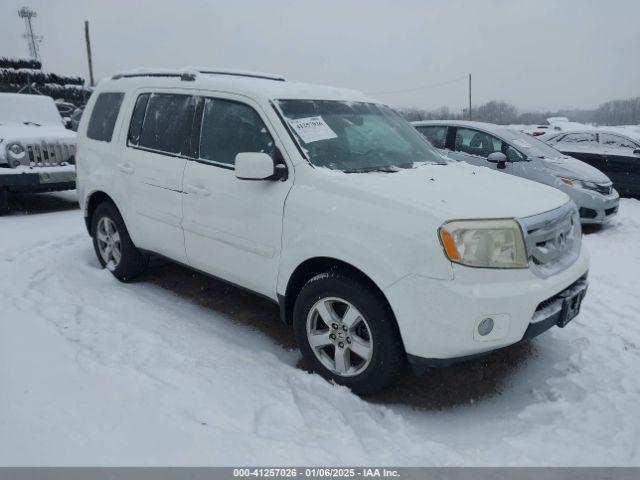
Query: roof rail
x,y
184,76
189,74
264,76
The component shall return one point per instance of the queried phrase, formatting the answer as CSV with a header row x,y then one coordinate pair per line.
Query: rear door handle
x,y
197,190
126,168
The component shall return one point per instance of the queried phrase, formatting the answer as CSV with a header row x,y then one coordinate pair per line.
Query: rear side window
x,y
166,123
229,128
104,115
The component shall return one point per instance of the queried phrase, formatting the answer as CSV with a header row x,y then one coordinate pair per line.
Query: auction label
x,y
312,129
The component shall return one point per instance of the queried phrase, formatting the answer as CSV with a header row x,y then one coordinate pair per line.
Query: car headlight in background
x,y
484,243
15,153
593,186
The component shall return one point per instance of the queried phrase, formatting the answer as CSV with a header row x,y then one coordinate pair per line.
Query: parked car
x,y
514,152
616,153
36,151
75,119
331,205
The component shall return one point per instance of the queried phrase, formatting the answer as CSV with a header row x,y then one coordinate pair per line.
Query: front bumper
x,y
439,319
47,179
594,207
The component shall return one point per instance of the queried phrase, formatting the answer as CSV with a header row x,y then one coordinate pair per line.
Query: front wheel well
x,y
94,200
314,266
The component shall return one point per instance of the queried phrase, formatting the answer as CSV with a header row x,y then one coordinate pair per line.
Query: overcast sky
x,y
536,54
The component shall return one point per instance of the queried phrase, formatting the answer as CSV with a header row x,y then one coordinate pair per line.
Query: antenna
x,y
33,40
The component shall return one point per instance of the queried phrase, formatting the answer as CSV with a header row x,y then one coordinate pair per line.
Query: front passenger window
x,y
475,142
229,128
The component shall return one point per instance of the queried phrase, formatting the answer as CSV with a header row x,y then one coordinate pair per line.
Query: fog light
x,y
485,326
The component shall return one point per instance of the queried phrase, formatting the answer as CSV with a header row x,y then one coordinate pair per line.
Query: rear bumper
x,y
38,180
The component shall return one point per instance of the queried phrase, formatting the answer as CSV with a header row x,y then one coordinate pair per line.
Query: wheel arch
x,y
95,199
314,266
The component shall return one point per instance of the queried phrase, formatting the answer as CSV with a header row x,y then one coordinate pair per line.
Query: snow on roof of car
x,y
489,127
263,86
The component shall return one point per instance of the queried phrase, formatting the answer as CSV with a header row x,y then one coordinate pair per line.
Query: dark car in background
x,y
614,153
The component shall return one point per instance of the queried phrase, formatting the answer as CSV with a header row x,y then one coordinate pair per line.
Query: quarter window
x,y
104,116
166,124
229,128
436,134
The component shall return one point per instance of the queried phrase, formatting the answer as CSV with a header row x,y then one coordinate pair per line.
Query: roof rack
x,y
189,74
185,76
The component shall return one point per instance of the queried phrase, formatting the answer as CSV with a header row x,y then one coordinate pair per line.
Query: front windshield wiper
x,y
387,169
32,123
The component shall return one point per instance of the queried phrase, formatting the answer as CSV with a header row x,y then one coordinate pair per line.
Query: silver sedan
x,y
516,153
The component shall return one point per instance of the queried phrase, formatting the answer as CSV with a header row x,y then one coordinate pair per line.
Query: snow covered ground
x,y
95,372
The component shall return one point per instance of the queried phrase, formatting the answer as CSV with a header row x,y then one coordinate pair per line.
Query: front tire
x,y
113,246
347,334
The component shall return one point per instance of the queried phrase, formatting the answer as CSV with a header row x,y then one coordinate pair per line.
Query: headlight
x,y
16,150
484,243
583,184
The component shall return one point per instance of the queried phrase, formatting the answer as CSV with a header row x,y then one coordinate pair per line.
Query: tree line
x,y
614,112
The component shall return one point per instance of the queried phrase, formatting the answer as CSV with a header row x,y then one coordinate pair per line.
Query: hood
x,y
569,167
25,134
452,191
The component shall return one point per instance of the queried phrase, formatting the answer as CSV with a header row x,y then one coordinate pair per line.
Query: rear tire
x,y
347,333
113,245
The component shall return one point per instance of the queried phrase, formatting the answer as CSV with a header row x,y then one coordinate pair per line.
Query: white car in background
x,y
36,150
511,151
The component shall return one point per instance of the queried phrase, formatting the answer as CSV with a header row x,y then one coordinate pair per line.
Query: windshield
x,y
356,136
30,110
529,145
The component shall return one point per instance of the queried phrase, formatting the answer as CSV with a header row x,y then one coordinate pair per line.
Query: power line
x,y
423,87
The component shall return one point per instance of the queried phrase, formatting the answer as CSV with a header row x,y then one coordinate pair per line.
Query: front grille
x,y
553,239
49,154
587,213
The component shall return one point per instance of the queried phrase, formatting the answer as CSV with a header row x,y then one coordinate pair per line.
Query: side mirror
x,y
636,151
499,158
254,166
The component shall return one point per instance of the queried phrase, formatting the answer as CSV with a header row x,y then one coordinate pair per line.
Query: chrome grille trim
x,y
44,154
553,239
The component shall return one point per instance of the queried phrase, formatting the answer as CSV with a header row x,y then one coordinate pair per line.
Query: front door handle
x,y
126,168
197,190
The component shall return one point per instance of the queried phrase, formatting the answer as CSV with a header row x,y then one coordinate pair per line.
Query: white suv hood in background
x,y
453,191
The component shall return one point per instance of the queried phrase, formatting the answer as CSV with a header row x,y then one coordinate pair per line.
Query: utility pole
x,y
86,37
469,96
33,40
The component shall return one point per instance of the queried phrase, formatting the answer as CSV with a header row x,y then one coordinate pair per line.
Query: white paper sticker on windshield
x,y
312,129
521,143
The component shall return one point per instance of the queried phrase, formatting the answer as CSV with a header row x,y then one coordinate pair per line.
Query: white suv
x,y
328,203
